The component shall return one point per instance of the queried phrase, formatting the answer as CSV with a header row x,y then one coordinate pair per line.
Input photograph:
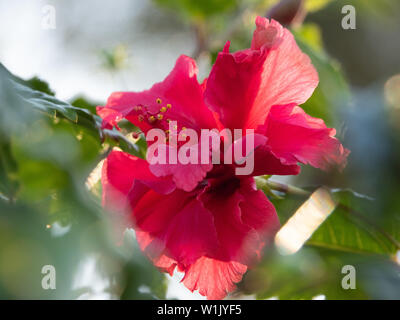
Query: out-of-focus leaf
x,y
351,235
198,9
37,84
317,272
56,109
8,168
151,284
52,219
115,59
315,5
84,103
311,34
350,227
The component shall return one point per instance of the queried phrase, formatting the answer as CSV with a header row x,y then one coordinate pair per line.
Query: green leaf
x,y
48,148
83,103
8,169
352,228
58,109
315,5
198,9
39,85
313,272
304,275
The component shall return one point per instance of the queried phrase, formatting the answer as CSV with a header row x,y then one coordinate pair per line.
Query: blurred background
x,y
66,55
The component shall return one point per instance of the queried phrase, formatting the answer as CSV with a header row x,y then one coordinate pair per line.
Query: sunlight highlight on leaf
x,y
299,228
94,176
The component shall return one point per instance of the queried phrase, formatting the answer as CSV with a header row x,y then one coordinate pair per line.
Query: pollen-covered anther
x,y
169,106
151,119
158,100
163,109
159,116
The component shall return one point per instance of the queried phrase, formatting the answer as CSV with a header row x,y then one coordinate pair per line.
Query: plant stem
x,y
263,183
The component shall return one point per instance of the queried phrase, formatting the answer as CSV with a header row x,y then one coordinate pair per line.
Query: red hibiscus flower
x,y
203,219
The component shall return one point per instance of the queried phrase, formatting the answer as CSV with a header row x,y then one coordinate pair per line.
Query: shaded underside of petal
x,y
264,161
294,136
243,216
180,225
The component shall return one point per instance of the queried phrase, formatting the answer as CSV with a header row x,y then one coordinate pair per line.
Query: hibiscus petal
x,y
154,212
258,213
244,220
294,136
191,234
234,236
125,180
213,278
240,239
243,86
179,225
179,97
186,176
264,161
121,170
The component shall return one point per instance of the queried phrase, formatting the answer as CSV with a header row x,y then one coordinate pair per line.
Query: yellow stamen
x,y
151,119
158,100
159,116
169,106
163,109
